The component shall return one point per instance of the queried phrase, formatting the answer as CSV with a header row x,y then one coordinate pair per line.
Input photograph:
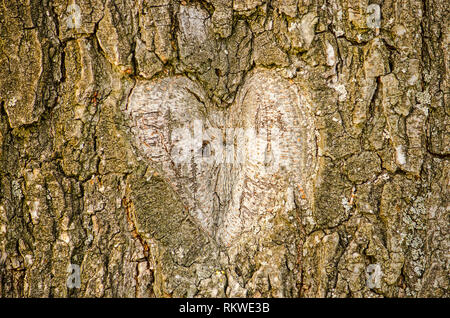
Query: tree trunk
x,y
214,148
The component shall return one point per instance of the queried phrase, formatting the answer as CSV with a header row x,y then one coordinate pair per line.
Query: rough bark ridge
x,y
97,98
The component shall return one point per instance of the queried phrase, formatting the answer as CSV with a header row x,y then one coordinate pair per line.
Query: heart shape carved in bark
x,y
236,168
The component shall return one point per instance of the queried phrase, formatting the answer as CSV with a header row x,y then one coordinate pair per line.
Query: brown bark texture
x,y
224,148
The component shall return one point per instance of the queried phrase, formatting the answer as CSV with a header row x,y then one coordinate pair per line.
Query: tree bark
x,y
214,148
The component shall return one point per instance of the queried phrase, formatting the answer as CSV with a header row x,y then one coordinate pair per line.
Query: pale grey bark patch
x,y
264,151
